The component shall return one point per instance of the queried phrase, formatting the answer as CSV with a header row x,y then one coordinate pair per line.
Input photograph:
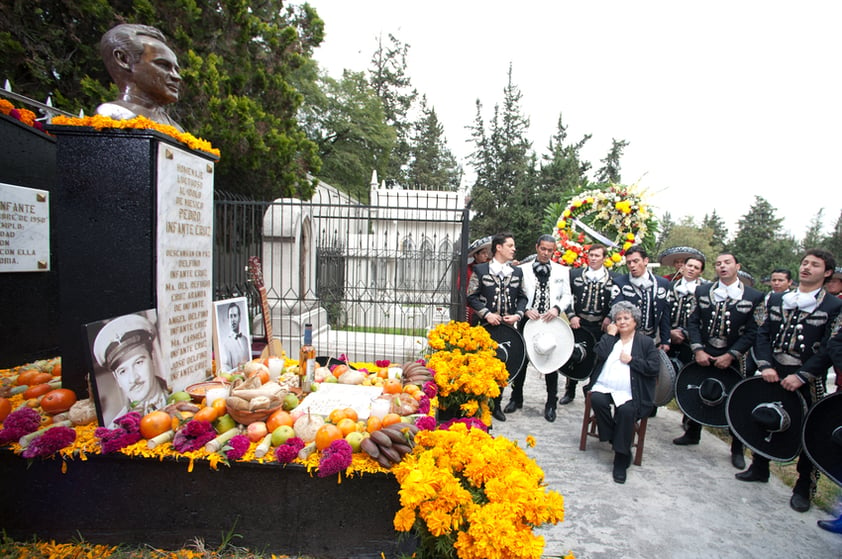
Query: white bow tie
x,y
643,282
685,287
799,300
594,275
723,292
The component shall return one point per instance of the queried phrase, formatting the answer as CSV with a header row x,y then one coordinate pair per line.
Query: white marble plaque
x,y
337,396
185,263
24,229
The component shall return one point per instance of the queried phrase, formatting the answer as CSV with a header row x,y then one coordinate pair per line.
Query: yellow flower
x,y
530,441
608,263
566,213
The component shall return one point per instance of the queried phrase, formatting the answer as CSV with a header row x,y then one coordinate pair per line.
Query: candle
x,y
215,394
276,367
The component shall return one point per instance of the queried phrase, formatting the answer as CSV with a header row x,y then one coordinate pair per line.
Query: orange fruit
x,y
154,423
220,407
207,413
347,425
339,369
411,388
392,386
25,377
58,400
390,419
336,416
326,434
351,414
5,408
277,419
56,369
373,424
36,390
383,372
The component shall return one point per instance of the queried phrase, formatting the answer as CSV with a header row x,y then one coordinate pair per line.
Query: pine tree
x,y
720,233
813,237
833,242
432,165
759,244
610,170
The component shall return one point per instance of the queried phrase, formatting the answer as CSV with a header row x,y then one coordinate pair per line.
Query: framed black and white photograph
x,y
128,365
231,334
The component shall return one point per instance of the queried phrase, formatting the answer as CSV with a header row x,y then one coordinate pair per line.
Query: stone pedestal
x,y
113,231
29,327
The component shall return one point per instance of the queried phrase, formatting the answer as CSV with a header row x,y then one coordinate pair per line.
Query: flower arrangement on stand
x,y
467,371
618,212
469,495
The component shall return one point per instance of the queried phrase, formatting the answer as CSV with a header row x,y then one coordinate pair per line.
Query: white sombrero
x,y
548,344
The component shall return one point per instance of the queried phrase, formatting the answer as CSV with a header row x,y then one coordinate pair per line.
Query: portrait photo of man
x,y
233,347
129,372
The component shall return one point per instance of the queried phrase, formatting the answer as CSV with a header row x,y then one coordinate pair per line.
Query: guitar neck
x,y
267,320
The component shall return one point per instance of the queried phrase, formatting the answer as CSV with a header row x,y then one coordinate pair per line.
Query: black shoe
x,y
738,460
621,464
752,475
567,398
834,526
512,406
498,414
799,503
686,439
549,413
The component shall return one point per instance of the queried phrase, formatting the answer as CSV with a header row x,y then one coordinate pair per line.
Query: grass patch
x,y
420,332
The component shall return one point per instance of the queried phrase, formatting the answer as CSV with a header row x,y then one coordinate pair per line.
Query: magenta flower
x,y
335,458
286,453
19,423
424,405
127,432
430,389
237,447
426,423
193,435
50,442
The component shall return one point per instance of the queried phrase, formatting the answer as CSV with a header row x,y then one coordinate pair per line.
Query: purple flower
x,y
286,453
382,363
127,432
296,442
52,440
238,446
426,423
19,423
193,435
430,389
335,458
424,404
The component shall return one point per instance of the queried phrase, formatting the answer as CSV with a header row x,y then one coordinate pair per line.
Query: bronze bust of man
x,y
145,70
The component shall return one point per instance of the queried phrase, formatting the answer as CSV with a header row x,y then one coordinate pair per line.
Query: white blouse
x,y
615,378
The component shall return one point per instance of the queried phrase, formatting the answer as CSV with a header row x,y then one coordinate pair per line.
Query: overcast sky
x,y
720,100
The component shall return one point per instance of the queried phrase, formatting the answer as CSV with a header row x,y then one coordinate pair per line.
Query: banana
x,y
385,462
394,434
381,439
391,454
370,447
402,449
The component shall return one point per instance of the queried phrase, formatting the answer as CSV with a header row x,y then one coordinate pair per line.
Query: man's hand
x,y
550,315
575,323
677,336
493,318
770,375
723,361
703,358
792,382
664,347
511,319
532,314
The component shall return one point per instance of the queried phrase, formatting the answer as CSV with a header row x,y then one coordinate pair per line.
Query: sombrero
x,y
510,347
325,361
528,259
665,384
478,245
837,273
549,344
822,436
701,392
680,355
669,256
746,278
767,418
581,362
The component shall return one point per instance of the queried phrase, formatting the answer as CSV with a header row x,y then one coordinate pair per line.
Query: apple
x,y
281,434
296,413
224,423
256,431
180,396
290,401
354,438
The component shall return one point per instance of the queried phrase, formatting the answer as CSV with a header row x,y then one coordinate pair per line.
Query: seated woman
x,y
625,372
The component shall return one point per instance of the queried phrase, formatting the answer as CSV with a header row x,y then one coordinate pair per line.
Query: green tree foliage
x,y
502,192
813,237
563,172
687,233
833,242
432,165
236,57
720,232
610,170
393,86
345,120
759,243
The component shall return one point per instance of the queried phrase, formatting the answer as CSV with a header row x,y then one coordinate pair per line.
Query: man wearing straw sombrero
x,y
791,349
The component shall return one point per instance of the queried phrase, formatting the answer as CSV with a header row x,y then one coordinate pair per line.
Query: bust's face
x,y
155,76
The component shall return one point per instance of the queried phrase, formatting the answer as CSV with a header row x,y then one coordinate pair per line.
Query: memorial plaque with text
x,y
24,229
185,249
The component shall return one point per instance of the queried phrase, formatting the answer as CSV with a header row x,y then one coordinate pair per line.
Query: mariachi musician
x,y
682,294
496,294
722,329
791,348
547,287
591,289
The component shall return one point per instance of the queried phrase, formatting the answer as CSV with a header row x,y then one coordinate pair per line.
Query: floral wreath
x,y
615,211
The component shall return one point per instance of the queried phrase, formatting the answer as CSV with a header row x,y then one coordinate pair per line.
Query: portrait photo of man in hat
x,y
128,366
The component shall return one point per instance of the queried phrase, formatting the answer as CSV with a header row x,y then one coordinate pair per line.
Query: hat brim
x,y
665,383
822,420
581,370
669,256
325,361
746,396
561,332
510,347
687,395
